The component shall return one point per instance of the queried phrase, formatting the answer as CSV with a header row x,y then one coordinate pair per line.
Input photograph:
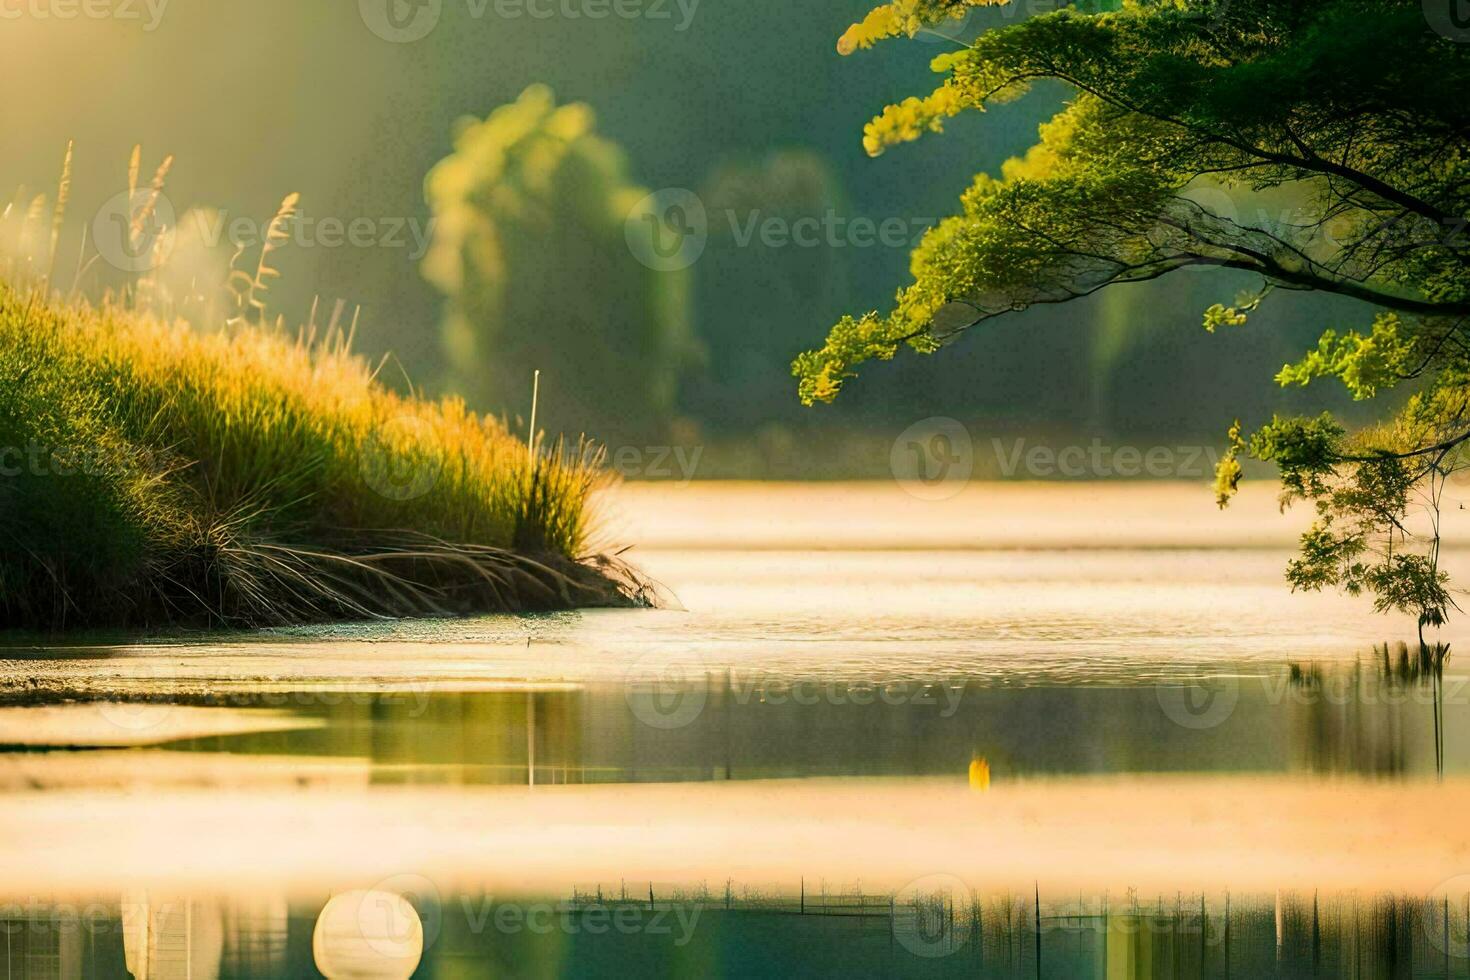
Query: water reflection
x,y
940,930
1353,720
1371,717
171,937
325,757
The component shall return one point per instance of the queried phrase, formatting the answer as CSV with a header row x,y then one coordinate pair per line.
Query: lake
x,y
1026,730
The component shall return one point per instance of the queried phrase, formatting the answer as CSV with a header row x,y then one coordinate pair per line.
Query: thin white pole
x,y
530,738
535,396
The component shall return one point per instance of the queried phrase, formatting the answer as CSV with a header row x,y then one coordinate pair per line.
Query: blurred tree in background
x,y
769,264
528,245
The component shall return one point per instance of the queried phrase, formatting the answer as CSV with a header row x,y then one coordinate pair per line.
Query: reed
x,y
58,214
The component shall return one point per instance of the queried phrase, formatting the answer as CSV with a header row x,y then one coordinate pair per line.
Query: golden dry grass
x,y
152,473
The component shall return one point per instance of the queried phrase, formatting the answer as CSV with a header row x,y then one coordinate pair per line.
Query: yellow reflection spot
x,y
979,773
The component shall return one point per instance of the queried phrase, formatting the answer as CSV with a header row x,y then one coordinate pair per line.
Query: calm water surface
x,y
1014,637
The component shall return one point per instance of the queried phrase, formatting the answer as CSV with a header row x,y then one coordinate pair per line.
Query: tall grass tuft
x,y
152,473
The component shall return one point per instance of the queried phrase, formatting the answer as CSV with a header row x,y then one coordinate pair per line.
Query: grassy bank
x,y
151,474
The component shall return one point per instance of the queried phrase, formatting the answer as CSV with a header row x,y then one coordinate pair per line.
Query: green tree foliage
x,y
1318,144
529,247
